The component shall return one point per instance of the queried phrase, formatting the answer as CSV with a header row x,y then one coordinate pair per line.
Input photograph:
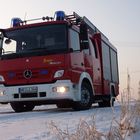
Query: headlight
x,y
62,89
58,73
1,78
1,92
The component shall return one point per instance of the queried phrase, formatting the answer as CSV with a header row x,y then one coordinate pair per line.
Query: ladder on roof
x,y
75,19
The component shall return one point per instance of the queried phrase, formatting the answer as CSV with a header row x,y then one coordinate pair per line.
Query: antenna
x,y
25,16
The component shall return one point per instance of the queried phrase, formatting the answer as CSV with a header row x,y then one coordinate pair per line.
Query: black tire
x,y
107,103
86,98
63,105
22,107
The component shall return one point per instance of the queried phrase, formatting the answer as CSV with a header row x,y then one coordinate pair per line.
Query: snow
x,y
36,125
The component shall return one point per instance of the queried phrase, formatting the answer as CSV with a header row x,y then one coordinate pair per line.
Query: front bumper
x,y
44,92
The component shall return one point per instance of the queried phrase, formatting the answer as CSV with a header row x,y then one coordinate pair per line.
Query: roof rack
x,y
75,19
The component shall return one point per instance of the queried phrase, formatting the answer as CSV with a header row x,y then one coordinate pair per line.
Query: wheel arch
x,y
85,77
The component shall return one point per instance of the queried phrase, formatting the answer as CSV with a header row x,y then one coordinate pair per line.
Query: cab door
x,y
96,66
76,56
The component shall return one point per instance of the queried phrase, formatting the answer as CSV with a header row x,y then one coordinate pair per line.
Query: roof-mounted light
x,y
59,15
16,22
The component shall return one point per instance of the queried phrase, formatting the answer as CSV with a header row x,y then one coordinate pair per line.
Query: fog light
x,y
60,89
1,93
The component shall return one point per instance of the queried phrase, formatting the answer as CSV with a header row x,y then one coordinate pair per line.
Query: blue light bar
x,y
59,15
16,22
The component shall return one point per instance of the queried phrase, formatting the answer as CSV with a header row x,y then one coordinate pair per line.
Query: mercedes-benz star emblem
x,y
27,74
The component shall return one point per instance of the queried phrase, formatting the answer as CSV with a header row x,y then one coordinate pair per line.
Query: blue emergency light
x,y
59,15
16,22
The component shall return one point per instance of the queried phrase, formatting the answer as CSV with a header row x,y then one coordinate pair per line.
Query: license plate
x,y
28,90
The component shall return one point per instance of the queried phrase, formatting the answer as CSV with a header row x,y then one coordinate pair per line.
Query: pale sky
x,y
119,20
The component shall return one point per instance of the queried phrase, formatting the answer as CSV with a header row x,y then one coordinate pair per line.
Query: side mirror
x,y
84,44
1,42
1,51
8,41
70,50
84,36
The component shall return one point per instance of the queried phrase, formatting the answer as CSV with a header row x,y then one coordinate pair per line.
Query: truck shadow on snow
x,y
51,109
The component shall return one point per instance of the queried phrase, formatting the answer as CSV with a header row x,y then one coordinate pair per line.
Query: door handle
x,y
82,64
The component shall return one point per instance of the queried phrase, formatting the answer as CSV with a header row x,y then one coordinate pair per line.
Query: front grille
x,y
16,95
42,94
29,95
20,75
36,73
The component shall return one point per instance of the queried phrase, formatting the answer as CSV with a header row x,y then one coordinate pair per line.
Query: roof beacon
x,y
59,15
15,22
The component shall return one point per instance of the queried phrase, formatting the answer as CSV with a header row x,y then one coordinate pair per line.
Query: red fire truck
x,y
63,60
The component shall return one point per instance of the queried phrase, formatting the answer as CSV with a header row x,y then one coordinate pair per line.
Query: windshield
x,y
35,41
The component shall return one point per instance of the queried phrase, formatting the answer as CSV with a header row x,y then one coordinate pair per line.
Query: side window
x,y
74,40
93,49
114,66
106,61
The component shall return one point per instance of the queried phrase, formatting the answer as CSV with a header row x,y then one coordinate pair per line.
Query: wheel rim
x,y
85,96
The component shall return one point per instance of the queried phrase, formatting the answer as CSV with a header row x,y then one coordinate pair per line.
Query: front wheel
x,y
21,106
86,98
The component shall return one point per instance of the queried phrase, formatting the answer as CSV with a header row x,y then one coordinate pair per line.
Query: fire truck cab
x,y
63,60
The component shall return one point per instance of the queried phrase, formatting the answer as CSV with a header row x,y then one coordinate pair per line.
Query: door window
x,y
74,40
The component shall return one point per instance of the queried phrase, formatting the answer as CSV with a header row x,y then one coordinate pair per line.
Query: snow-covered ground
x,y
36,125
